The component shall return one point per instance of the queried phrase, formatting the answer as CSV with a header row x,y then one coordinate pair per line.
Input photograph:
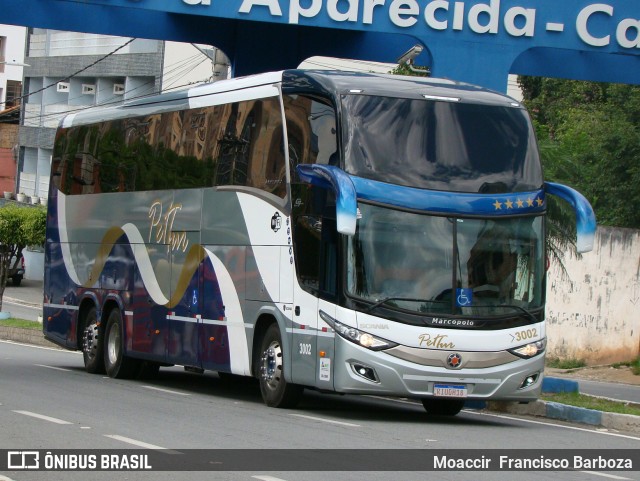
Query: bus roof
x,y
342,82
320,82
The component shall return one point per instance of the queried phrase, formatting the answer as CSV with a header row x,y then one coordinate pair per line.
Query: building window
x,y
14,93
3,48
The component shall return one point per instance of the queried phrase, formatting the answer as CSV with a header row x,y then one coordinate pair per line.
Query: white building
x,y
12,41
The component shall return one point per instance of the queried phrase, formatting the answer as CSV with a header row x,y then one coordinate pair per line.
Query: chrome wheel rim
x,y
90,341
271,367
113,345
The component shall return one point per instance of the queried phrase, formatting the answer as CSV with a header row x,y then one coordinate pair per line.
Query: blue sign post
x,y
479,41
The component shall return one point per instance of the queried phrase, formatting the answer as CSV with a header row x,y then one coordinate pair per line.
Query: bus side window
x,y
329,259
249,149
315,240
307,233
311,131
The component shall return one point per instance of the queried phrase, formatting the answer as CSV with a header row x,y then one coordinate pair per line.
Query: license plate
x,y
450,390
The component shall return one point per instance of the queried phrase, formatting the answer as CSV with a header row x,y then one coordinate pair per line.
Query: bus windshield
x,y
446,265
439,145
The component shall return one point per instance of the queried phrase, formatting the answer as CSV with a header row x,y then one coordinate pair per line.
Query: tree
x,y
19,227
596,128
561,218
411,70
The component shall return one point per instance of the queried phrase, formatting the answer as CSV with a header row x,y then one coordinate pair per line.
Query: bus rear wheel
x,y
442,407
92,343
276,391
116,363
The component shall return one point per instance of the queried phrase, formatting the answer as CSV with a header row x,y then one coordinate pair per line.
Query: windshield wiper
x,y
407,299
527,313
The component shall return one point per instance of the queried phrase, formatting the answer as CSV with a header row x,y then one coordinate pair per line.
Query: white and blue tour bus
x,y
349,233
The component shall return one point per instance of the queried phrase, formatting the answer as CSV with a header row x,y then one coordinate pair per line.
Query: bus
x,y
354,233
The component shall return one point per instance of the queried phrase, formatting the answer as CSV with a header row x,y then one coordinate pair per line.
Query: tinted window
x,y
311,131
233,144
427,264
440,145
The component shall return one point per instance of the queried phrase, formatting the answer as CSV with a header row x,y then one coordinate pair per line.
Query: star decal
x,y
507,203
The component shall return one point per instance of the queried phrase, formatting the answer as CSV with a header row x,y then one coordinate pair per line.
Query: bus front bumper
x,y
358,370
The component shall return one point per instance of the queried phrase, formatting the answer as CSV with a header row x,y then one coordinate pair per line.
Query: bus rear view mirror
x,y
336,179
585,217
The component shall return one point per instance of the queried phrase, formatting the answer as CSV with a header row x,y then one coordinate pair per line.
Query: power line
x,y
174,74
342,67
76,73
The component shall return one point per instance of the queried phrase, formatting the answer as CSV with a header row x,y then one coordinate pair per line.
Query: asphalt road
x,y
24,301
48,401
621,392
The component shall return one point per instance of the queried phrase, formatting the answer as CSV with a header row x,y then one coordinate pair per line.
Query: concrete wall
x,y
594,314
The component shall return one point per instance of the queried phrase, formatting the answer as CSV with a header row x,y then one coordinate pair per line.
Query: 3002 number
x,y
305,349
527,334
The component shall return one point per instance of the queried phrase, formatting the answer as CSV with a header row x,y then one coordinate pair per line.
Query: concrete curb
x,y
547,409
27,336
564,412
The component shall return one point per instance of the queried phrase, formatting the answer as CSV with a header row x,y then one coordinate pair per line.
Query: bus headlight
x,y
530,350
357,336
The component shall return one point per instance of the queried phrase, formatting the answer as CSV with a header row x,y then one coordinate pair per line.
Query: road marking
x,y
21,303
612,399
530,421
53,367
141,444
43,417
313,418
612,476
57,349
575,428
267,478
167,390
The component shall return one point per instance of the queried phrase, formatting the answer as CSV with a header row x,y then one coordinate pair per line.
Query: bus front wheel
x,y
276,391
116,363
442,407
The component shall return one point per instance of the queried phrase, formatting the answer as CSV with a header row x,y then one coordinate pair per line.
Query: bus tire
x,y
92,343
442,407
116,363
276,391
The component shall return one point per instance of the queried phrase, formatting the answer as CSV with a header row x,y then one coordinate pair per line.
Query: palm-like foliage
x,y
561,220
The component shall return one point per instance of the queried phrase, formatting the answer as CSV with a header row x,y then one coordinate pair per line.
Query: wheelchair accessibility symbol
x,y
464,297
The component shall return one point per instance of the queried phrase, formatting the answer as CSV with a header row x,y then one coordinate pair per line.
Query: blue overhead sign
x,y
614,26
475,40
